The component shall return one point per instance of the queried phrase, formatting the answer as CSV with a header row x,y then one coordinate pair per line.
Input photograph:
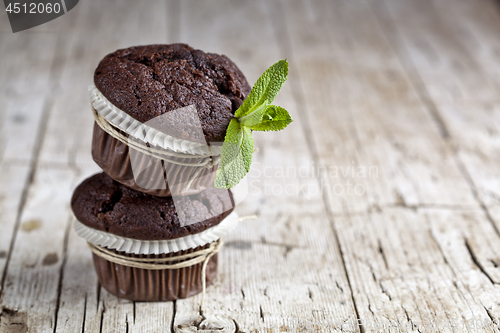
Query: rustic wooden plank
x,y
418,247
377,113
80,308
283,270
374,118
13,177
470,245
33,280
151,317
469,116
429,49
422,270
474,124
97,309
75,297
494,214
24,105
450,60
31,284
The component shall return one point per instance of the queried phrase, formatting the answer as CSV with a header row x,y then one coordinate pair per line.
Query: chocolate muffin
x,y
149,81
180,175
104,204
146,285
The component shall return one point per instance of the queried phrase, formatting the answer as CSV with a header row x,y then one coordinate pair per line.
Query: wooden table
x,y
380,204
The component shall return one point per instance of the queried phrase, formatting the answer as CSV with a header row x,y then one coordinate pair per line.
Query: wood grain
x,y
379,205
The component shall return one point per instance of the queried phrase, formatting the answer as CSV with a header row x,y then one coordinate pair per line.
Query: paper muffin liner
x,y
139,284
148,174
153,285
152,178
144,132
155,247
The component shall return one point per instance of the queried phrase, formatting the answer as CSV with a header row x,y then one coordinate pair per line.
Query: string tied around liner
x,y
201,162
202,255
154,151
190,259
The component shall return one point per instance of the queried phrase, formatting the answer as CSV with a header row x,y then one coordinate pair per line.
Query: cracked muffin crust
x,y
149,81
104,204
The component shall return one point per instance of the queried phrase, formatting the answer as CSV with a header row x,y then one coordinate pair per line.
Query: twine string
x,y
201,163
193,258
164,154
200,256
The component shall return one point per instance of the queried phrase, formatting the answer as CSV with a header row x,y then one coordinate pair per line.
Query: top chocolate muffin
x,y
149,81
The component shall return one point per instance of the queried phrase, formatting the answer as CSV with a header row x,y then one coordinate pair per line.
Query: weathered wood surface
x,y
403,93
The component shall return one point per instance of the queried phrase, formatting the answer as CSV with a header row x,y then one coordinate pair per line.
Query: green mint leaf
x,y
255,113
265,89
246,150
236,155
275,118
255,117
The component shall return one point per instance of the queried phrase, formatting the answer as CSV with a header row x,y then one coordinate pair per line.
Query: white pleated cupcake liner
x,y
144,132
150,135
135,246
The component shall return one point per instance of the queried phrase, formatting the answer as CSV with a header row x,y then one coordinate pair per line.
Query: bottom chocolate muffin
x,y
101,203
139,284
108,211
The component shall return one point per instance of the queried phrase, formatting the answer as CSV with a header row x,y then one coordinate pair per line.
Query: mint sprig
x,y
275,118
257,114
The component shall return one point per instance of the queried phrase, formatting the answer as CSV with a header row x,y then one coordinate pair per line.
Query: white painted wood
x,y
449,54
383,119
31,284
13,177
273,270
421,268
374,117
407,87
23,101
98,310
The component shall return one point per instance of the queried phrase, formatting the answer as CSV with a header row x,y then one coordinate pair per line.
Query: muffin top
x,y
104,204
149,81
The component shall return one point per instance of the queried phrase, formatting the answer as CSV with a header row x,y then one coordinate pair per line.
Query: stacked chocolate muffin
x,y
153,219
